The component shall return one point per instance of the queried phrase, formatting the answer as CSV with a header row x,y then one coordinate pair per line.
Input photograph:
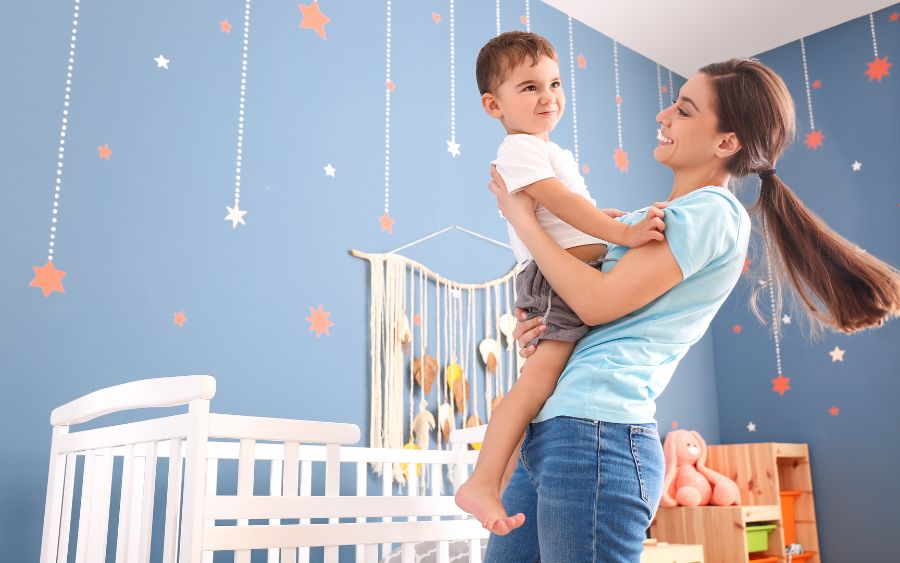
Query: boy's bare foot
x,y
483,502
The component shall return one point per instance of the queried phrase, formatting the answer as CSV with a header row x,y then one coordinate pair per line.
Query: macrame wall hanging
x,y
441,351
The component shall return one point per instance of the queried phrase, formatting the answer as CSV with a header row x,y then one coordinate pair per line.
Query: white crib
x,y
291,521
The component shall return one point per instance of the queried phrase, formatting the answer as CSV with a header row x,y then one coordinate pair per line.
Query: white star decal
x,y
329,170
235,215
786,319
856,165
162,62
453,147
837,355
751,427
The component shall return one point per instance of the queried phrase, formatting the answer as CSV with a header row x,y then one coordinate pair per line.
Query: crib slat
x,y
408,553
289,488
212,481
98,526
125,500
275,491
84,518
53,504
130,539
387,490
190,548
332,489
65,525
361,486
246,466
372,553
147,502
173,502
443,551
474,551
305,491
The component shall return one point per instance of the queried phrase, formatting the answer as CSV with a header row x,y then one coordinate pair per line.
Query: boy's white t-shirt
x,y
525,159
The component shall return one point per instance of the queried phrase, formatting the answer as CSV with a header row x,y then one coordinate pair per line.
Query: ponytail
x,y
841,285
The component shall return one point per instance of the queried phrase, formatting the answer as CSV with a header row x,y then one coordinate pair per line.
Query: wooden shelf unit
x,y
761,471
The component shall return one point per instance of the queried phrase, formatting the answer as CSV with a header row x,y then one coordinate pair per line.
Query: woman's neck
x,y
687,181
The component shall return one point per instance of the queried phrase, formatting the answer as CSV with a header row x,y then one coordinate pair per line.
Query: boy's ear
x,y
490,105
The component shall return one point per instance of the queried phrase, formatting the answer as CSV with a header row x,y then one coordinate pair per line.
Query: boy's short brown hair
x,y
505,52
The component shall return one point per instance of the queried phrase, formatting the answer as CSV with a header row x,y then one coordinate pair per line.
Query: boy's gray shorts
x,y
535,295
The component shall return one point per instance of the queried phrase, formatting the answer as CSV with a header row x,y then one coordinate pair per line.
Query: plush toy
x,y
688,481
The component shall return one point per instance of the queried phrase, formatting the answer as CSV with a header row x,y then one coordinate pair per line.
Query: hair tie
x,y
766,173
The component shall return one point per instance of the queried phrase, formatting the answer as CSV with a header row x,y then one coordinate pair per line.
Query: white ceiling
x,y
683,36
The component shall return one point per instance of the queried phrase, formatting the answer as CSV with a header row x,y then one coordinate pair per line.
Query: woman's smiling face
x,y
689,133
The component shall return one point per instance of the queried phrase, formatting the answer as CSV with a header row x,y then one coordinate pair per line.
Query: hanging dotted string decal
x,y
498,17
452,145
526,19
386,222
814,138
236,214
878,68
574,104
780,384
671,88
659,87
47,277
620,157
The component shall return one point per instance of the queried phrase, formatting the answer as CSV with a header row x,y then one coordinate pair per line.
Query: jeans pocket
x,y
646,449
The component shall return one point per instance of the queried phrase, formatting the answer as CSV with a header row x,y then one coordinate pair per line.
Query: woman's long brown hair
x,y
840,285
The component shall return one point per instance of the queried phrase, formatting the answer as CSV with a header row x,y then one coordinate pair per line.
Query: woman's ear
x,y
490,105
728,146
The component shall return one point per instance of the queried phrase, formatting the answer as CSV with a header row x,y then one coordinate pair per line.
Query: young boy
x,y
518,76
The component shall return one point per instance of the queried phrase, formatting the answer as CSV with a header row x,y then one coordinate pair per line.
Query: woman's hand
x,y
527,331
516,208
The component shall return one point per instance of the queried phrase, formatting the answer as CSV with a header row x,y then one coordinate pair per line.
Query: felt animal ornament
x,y
688,481
424,371
490,351
422,426
446,420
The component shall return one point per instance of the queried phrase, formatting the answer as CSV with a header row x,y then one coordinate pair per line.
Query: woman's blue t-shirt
x,y
617,370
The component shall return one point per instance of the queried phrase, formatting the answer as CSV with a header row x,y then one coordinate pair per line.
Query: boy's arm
x,y
577,211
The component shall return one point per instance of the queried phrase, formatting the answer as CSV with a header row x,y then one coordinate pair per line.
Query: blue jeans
x,y
588,490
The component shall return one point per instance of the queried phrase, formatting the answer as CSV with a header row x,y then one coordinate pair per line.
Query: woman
x,y
591,470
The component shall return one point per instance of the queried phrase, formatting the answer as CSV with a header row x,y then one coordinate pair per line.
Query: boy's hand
x,y
648,229
614,213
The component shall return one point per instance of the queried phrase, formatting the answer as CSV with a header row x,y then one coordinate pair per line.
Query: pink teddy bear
x,y
688,481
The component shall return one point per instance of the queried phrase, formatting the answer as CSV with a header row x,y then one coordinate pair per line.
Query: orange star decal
x,y
582,62
781,384
814,139
104,151
620,157
224,26
665,89
674,425
313,19
894,17
318,321
179,318
524,20
387,224
436,17
391,85
48,278
834,411
585,168
816,84
618,100
878,69
737,329
417,320
746,268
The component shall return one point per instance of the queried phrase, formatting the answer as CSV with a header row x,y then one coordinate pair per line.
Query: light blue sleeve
x,y
702,230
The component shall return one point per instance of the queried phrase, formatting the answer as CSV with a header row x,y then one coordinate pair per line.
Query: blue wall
x,y
141,236
855,455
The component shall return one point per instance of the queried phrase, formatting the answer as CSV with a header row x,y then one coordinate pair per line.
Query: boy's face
x,y
530,100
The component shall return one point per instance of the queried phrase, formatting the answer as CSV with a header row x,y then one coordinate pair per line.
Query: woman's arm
x,y
641,275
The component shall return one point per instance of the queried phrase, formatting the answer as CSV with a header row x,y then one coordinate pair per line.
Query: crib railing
x,y
197,445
